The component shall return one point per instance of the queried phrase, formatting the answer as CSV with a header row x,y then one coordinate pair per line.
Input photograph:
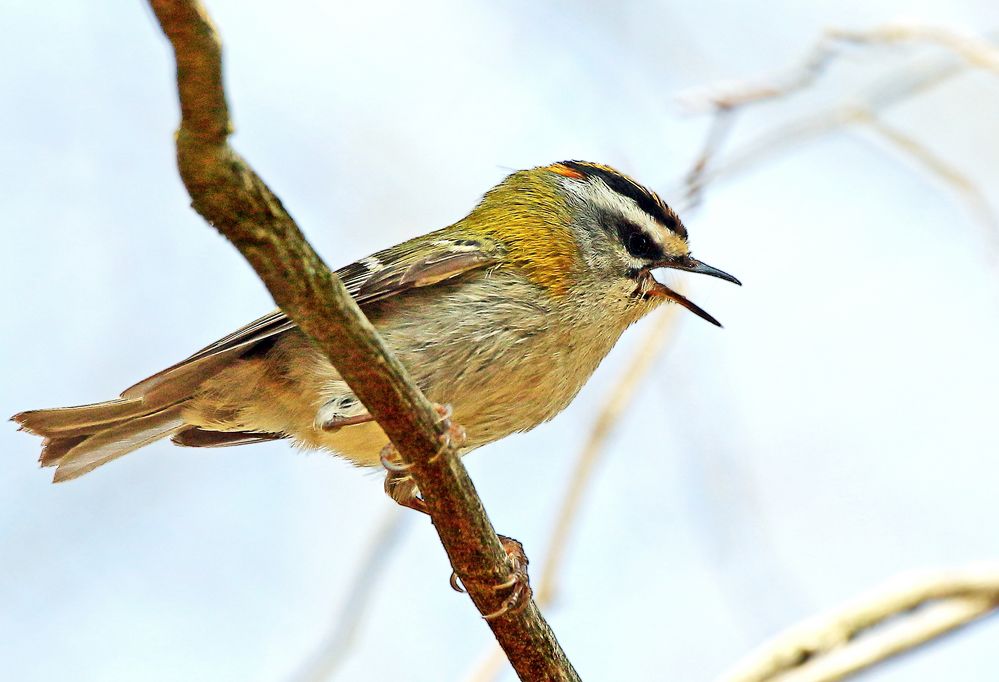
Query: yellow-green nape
x,y
528,216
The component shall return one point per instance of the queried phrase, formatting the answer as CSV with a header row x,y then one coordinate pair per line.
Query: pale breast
x,y
503,364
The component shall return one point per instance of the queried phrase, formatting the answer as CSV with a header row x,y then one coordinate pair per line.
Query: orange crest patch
x,y
565,171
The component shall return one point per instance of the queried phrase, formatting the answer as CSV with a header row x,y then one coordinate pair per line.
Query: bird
x,y
502,316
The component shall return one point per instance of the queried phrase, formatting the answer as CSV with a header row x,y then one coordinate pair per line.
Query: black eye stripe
x,y
637,242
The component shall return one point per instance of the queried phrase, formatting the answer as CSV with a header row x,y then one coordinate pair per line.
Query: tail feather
x,y
63,422
82,438
116,441
196,437
54,449
178,382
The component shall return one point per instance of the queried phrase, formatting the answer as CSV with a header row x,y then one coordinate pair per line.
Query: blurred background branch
x,y
728,100
905,613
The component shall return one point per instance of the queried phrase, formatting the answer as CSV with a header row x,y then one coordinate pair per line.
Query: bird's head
x,y
632,232
577,225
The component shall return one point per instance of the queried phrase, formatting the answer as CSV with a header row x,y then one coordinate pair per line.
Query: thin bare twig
x,y
730,96
233,198
721,127
859,635
975,51
888,92
728,100
945,172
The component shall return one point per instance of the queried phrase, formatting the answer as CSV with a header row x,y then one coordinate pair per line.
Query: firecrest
x,y
503,315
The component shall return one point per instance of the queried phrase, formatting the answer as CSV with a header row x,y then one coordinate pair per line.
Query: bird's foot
x,y
454,435
518,584
399,485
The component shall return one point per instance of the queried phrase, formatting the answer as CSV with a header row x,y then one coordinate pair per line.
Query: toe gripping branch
x,y
518,584
400,486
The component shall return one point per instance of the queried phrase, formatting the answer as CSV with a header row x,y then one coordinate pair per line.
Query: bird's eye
x,y
636,241
638,244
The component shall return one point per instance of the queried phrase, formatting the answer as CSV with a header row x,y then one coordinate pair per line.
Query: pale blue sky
x,y
840,429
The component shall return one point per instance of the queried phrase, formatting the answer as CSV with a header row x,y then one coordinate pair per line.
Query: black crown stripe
x,y
646,200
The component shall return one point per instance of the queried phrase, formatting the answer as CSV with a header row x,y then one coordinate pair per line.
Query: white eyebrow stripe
x,y
599,194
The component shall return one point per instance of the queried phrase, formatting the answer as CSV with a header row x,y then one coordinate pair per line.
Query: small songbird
x,y
503,315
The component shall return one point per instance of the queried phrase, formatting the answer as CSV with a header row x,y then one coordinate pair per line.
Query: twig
x,y
977,52
864,110
899,87
721,127
231,197
729,100
734,96
855,637
930,623
948,174
332,652
774,142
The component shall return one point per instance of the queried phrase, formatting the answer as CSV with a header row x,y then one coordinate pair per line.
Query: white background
x,y
840,429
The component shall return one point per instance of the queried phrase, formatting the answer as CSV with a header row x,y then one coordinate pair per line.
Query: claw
x,y
444,412
453,437
518,582
514,603
513,580
390,460
456,583
402,489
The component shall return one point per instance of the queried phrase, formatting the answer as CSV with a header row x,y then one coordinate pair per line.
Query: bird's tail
x,y
80,439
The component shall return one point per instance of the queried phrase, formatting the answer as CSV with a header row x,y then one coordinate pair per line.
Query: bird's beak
x,y
686,264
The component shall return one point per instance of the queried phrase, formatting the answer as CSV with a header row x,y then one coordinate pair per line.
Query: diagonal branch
x,y
232,198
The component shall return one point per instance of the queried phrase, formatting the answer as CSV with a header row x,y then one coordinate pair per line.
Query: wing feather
x,y
421,262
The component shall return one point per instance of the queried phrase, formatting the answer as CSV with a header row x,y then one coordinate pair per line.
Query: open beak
x,y
686,264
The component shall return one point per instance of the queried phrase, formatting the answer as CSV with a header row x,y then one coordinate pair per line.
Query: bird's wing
x,y
421,262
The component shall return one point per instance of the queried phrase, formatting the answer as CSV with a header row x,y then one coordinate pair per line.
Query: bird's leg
x,y
401,487
337,423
